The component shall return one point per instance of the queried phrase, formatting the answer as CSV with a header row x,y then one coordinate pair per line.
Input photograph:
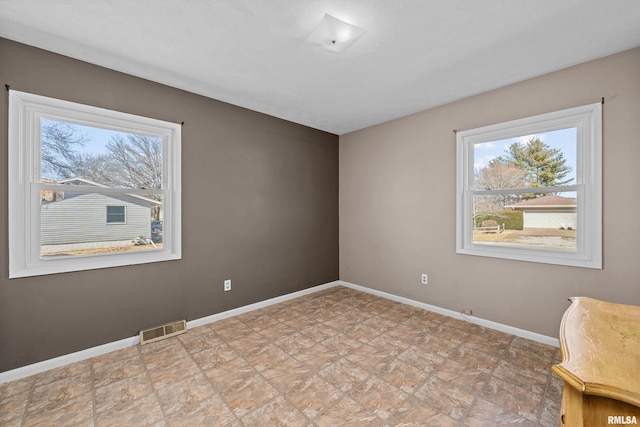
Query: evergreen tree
x,y
543,166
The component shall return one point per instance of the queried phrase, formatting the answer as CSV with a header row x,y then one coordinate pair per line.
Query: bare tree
x,y
59,144
94,167
136,161
495,176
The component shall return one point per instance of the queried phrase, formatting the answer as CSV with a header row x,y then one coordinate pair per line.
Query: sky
x,y
97,138
564,139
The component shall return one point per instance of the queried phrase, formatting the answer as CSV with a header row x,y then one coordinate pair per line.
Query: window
x,y
75,171
531,189
116,215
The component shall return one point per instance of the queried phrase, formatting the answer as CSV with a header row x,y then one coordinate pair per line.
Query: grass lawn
x,y
532,238
95,251
516,235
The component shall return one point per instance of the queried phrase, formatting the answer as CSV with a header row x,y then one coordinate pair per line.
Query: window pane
x,y
116,215
73,223
533,221
81,160
541,160
87,155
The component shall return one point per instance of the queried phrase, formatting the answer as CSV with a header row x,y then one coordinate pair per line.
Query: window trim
x,y
124,215
25,111
588,185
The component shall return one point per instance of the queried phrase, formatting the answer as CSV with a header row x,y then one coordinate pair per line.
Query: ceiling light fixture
x,y
334,34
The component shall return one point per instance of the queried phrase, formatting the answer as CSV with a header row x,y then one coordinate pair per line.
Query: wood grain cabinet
x,y
600,343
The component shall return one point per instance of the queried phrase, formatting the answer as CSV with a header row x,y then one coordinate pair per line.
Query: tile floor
x,y
338,357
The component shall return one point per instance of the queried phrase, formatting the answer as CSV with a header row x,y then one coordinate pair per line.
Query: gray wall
x,y
260,207
397,202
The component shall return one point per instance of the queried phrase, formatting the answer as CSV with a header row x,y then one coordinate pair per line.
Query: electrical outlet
x,y
425,279
467,311
227,285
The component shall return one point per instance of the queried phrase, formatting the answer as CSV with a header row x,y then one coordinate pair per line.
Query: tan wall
x,y
260,207
397,202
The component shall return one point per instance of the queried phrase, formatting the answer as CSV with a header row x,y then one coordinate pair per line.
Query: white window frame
x,y
588,186
124,214
25,112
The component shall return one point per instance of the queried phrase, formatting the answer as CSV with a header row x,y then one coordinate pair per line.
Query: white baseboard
x,y
56,362
258,305
78,356
471,319
45,365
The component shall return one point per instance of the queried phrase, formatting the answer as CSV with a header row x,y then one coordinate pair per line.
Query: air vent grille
x,y
161,332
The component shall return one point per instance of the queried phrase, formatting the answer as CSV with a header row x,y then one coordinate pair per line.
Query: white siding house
x,y
548,212
80,220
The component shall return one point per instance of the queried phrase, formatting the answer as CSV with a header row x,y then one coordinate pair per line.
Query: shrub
x,y
512,219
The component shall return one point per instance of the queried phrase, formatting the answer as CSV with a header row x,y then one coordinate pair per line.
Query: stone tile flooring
x,y
337,357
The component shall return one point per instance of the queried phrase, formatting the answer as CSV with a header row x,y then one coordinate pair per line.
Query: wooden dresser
x,y
600,343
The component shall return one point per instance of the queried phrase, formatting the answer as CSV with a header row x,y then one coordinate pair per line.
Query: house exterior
x,y
549,211
80,220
